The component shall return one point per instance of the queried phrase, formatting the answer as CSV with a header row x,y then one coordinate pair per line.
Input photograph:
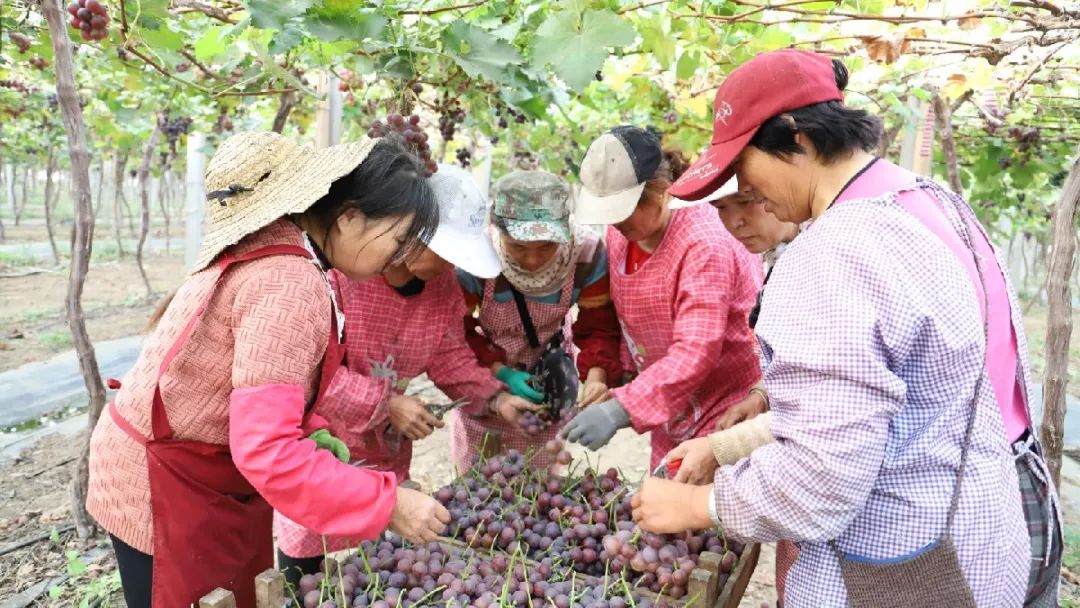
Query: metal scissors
x,y
439,410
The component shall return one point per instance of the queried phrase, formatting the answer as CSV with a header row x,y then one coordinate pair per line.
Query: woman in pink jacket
x,y
208,434
682,287
400,325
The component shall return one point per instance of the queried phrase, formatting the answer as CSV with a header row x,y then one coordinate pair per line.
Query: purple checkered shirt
x,y
873,339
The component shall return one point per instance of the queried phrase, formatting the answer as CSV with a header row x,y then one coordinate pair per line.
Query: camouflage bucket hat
x,y
533,206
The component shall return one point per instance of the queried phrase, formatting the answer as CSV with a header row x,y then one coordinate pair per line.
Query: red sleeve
x,y
454,368
596,334
486,352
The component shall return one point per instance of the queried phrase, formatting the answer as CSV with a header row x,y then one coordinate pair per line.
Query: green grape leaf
x,y
211,43
162,39
687,66
331,26
478,52
657,41
576,53
286,39
272,14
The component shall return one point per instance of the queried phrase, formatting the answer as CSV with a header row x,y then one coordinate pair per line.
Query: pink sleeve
x,y
454,368
308,485
281,321
701,310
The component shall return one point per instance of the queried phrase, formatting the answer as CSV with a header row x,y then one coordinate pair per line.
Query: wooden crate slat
x,y
218,598
740,576
270,589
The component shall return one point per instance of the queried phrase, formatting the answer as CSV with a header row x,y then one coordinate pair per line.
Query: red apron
x,y
211,527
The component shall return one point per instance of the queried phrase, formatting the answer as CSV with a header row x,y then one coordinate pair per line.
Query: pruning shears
x,y
439,410
667,470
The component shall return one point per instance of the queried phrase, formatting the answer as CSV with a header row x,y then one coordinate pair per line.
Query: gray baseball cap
x,y
533,206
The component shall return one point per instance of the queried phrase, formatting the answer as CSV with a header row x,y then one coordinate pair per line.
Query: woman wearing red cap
x,y
896,367
682,287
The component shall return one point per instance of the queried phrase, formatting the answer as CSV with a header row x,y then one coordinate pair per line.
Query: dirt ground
x,y
33,325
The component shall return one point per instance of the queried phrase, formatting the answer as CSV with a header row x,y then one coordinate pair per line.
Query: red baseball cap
x,y
769,84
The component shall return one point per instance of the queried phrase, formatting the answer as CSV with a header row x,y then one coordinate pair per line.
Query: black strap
x,y
526,320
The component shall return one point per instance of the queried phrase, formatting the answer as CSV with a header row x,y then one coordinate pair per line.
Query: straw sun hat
x,y
256,178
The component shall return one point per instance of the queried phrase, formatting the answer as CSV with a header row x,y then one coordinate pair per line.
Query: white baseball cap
x,y
729,187
463,238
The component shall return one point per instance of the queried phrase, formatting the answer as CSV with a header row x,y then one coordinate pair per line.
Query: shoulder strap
x,y
159,419
526,319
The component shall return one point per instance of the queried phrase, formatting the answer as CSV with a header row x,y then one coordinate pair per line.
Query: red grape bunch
x,y
416,140
20,41
17,86
90,18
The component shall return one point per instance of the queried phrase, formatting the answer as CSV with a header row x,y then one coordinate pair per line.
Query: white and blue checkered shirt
x,y
873,339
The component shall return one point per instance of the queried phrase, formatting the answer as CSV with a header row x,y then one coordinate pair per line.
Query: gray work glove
x,y
596,424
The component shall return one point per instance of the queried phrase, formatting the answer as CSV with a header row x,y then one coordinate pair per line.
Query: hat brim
x,y
536,230
592,209
711,171
303,179
474,254
731,186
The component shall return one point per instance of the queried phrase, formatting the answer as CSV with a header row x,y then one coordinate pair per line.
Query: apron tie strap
x,y
1025,449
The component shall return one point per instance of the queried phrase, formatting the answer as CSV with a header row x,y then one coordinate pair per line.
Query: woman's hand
x,y
518,383
595,388
669,507
752,405
410,417
698,461
417,517
510,407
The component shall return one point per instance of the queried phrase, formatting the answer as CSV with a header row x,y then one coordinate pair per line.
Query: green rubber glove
x,y
518,383
326,441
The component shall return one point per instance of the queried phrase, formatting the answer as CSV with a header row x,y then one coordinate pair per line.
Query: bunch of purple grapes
x,y
416,140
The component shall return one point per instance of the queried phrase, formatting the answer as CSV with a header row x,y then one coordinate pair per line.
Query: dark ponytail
x,y
835,129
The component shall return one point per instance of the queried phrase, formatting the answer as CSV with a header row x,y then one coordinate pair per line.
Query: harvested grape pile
x,y
525,538
580,522
389,574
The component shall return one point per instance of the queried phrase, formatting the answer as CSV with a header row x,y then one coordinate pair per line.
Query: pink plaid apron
x,y
647,301
503,327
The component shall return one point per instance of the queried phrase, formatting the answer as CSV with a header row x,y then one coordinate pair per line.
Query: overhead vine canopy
x,y
544,77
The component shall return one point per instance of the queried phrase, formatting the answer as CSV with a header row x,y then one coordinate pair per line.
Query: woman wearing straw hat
x,y
548,265
398,326
904,463
682,287
208,433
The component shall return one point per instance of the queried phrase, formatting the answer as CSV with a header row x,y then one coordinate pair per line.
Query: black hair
x,y
389,183
835,129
